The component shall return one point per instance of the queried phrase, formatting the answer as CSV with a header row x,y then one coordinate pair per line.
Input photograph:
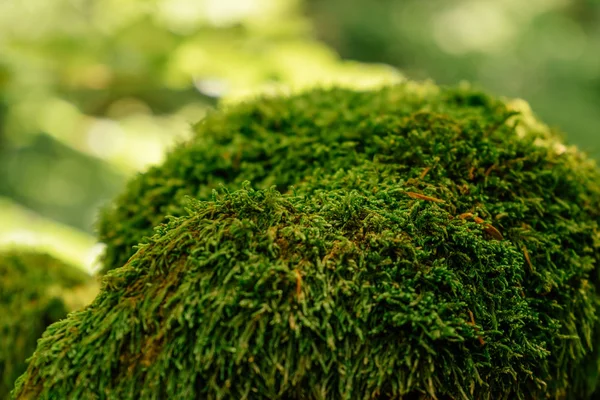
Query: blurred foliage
x,y
545,51
71,179
29,228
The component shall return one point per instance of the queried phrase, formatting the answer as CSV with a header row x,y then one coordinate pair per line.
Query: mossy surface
x,y
436,244
283,141
34,293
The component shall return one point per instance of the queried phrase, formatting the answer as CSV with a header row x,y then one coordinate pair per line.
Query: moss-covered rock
x,y
36,290
436,244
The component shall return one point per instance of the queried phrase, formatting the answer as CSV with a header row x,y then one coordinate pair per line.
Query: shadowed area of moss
x,y
36,290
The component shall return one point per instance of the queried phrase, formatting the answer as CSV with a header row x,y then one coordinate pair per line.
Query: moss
x,y
437,243
36,290
277,141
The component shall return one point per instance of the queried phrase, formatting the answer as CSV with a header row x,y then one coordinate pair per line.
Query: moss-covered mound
x,y
281,141
380,288
36,290
435,245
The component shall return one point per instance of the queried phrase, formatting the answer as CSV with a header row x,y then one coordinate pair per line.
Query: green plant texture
x,y
36,290
281,141
437,243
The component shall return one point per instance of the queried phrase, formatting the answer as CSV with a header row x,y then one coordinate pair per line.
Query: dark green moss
x,y
36,290
339,294
435,245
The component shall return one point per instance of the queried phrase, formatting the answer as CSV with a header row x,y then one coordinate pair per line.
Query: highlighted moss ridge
x,y
35,291
436,245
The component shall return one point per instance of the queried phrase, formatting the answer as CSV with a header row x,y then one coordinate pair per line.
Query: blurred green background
x,y
93,91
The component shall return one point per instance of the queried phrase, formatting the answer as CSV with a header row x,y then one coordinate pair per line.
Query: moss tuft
x,y
36,290
437,243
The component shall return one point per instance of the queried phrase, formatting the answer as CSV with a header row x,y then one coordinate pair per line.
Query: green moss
x,y
278,141
36,290
436,244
